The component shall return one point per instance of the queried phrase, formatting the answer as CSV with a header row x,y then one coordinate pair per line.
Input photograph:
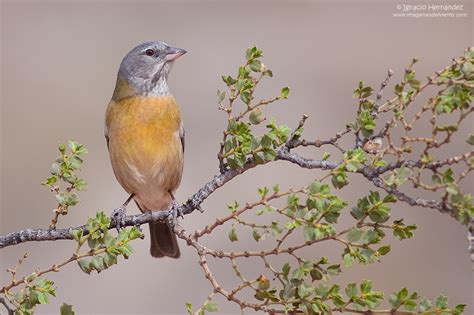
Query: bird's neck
x,y
135,86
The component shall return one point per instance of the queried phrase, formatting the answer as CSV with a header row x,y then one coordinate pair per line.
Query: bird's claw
x,y
174,214
118,216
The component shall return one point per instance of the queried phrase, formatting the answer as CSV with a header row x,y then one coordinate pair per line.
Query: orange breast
x,y
144,143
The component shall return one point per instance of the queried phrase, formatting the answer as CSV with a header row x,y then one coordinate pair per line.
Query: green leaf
x,y
402,294
384,250
42,297
233,235
256,235
85,266
62,148
366,286
470,140
285,270
315,274
366,92
252,53
256,116
61,199
398,177
189,308
220,95
351,290
348,260
309,233
285,92
66,309
394,301
263,283
357,213
409,305
110,259
339,179
256,66
354,235
425,305
211,306
50,181
441,302
334,270
380,214
452,189
246,97
318,187
304,290
228,80
77,234
459,308
72,199
80,184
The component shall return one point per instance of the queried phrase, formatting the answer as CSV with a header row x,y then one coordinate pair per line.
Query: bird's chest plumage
x,y
144,143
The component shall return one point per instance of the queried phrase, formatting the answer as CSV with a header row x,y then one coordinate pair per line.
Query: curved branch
x,y
195,201
420,202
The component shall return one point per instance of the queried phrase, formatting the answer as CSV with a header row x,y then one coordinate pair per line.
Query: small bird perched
x,y
145,136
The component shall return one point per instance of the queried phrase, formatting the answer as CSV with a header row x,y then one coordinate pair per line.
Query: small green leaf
x,y
309,233
354,235
441,302
66,309
189,308
366,286
256,116
470,140
452,189
256,65
459,308
220,95
263,283
351,290
246,97
211,307
348,260
85,266
425,305
256,235
50,181
384,250
233,235
77,234
285,92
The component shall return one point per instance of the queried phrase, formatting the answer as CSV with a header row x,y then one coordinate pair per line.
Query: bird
x,y
145,137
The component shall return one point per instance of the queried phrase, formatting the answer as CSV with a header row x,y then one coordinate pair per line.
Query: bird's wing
x,y
107,122
181,135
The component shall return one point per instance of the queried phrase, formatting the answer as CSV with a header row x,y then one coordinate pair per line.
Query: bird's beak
x,y
173,53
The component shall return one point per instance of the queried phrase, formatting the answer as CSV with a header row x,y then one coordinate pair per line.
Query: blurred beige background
x,y
59,63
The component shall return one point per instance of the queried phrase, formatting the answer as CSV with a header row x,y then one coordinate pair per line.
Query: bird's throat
x,y
140,87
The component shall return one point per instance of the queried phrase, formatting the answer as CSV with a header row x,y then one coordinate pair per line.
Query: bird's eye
x,y
149,52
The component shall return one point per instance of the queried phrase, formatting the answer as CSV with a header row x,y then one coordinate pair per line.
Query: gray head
x,y
146,67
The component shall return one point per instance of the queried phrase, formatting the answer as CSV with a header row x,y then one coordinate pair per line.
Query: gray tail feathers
x,y
163,241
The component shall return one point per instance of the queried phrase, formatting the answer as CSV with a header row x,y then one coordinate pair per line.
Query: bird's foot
x,y
118,216
174,214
